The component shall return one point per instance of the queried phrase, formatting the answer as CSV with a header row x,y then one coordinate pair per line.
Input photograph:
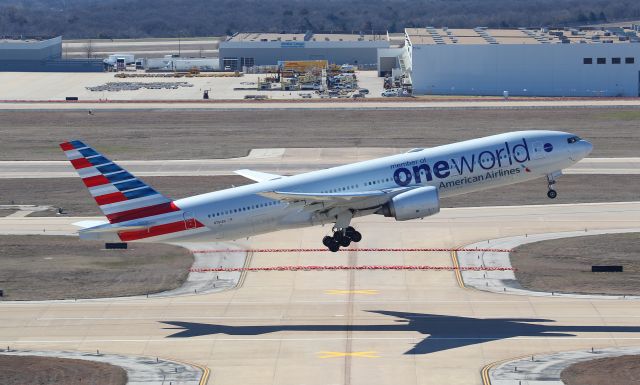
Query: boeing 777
x,y
405,186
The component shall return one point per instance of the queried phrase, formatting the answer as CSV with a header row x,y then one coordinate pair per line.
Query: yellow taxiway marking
x,y
345,354
366,291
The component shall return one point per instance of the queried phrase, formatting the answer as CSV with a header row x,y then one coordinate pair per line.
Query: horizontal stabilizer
x,y
109,228
258,176
87,224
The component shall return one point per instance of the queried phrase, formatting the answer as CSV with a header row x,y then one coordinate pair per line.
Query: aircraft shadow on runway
x,y
444,332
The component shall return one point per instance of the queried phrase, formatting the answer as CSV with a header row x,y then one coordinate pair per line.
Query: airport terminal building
x,y
254,49
525,62
42,56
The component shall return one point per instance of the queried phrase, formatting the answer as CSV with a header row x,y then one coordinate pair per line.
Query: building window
x,y
587,60
615,60
629,60
602,60
248,62
230,64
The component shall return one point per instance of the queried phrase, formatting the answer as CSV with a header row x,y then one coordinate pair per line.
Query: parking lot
x,y
58,86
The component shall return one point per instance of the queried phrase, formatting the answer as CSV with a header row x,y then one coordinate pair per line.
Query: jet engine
x,y
417,203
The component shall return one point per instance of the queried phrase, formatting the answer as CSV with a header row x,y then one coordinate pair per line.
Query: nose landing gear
x,y
551,193
341,238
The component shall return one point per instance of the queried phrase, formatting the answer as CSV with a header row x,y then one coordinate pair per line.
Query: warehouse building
x,y
253,49
42,56
526,62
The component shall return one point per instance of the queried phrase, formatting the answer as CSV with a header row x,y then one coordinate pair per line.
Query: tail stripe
x,y
96,180
66,146
127,185
143,212
109,168
80,163
101,190
78,144
155,231
98,160
110,198
133,204
143,192
88,152
119,177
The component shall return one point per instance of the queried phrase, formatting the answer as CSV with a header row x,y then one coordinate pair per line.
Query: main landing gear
x,y
341,237
551,193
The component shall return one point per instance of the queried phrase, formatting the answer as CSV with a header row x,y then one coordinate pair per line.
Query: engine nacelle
x,y
417,203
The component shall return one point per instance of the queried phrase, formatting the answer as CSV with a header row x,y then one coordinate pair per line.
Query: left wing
x,y
257,176
324,202
321,197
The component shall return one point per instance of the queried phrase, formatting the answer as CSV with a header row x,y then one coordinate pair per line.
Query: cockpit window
x,y
573,139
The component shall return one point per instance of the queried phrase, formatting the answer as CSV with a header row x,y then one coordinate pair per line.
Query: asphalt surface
x,y
345,327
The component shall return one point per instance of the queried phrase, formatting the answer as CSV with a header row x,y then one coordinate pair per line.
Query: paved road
x,y
275,160
340,327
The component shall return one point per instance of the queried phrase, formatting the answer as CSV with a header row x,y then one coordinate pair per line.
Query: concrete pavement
x,y
338,327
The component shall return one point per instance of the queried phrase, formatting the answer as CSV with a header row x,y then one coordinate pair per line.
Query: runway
x,y
346,327
288,161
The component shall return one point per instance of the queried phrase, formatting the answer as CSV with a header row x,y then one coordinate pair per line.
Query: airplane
x,y
404,186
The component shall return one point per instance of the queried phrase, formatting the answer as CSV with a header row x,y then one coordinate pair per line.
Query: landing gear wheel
x,y
552,194
334,247
354,235
327,241
342,239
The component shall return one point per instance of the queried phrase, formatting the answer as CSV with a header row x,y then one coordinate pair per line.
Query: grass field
x,y
34,135
624,370
35,267
22,370
564,265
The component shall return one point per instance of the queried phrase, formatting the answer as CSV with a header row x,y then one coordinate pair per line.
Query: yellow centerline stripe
x,y
205,371
486,380
456,265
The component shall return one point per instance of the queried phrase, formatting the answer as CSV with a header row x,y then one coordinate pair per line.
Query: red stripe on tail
x,y
80,163
97,180
168,228
142,212
110,198
66,146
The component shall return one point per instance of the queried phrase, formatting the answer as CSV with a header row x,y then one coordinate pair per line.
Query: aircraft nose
x,y
586,147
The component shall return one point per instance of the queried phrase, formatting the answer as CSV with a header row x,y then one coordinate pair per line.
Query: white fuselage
x,y
453,169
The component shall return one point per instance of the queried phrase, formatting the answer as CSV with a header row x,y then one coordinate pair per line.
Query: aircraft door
x,y
189,220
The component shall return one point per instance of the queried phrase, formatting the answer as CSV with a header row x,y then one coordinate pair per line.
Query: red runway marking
x,y
324,250
333,268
